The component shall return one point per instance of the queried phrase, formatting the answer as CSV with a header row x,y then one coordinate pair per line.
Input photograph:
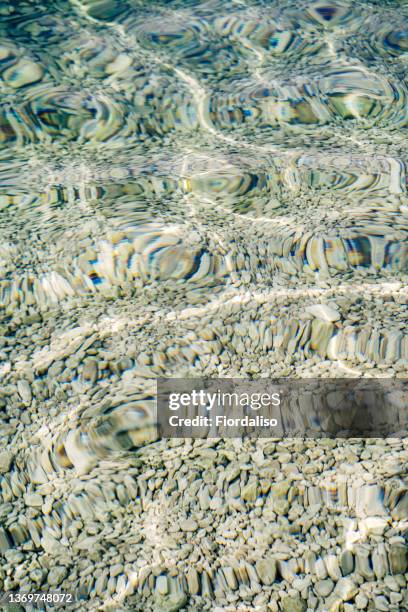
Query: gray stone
x,y
266,570
361,601
381,603
188,525
162,586
50,544
56,575
90,370
346,589
346,562
398,558
170,603
293,604
6,459
370,501
5,541
33,499
333,568
24,72
116,569
400,511
324,587
24,391
323,311
250,491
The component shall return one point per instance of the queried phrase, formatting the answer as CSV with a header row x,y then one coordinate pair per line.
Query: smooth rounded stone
x,y
381,603
400,510
50,544
18,533
320,569
105,10
346,562
188,525
6,459
302,583
5,541
333,603
279,492
369,501
5,368
230,578
281,506
391,583
90,370
24,390
293,604
346,589
119,64
380,561
33,499
361,601
323,311
193,581
216,503
395,598
285,570
162,587
398,558
56,575
116,569
266,570
312,601
23,73
333,568
374,525
170,603
322,332
37,575
250,492
4,52
363,561
324,587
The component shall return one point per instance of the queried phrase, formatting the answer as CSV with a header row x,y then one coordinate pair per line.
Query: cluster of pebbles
x,y
200,189
225,525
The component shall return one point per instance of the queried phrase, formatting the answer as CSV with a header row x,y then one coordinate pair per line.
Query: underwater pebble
x,y
6,459
25,72
323,311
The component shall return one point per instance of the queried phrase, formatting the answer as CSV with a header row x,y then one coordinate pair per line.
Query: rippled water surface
x,y
190,189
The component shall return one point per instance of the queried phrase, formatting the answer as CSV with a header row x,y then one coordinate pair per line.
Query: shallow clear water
x,y
192,189
186,143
